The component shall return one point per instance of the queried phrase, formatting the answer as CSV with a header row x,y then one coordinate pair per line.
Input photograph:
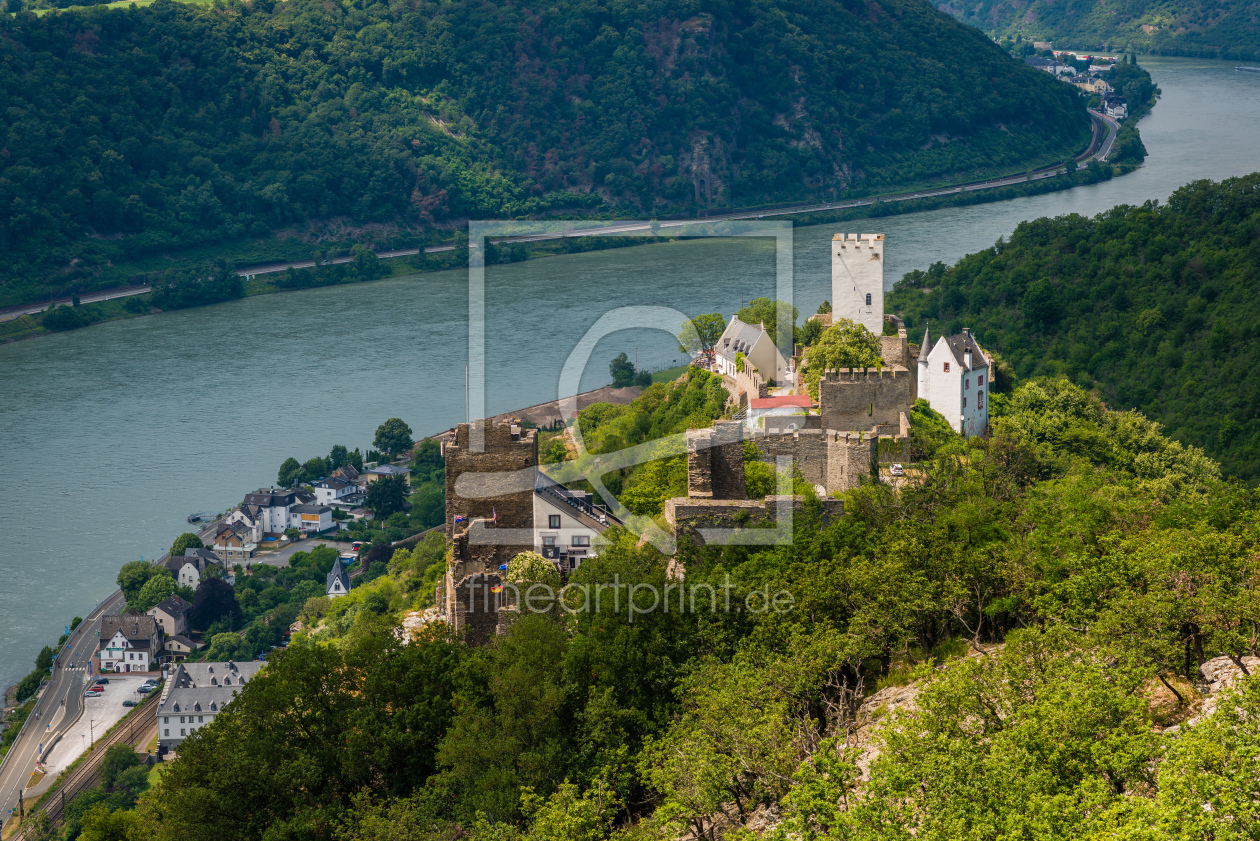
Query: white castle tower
x,y
857,279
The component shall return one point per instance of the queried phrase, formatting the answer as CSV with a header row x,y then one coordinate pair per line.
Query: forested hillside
x,y
1207,28
1155,306
151,129
1087,565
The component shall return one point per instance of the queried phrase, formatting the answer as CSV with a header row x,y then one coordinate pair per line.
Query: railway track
x,y
138,726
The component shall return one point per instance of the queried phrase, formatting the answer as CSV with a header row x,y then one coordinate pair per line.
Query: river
x,y
113,434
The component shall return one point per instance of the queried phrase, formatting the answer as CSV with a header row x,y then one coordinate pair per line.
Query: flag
x,y
497,588
495,518
502,566
459,519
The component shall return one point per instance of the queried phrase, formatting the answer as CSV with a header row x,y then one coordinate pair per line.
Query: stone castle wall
x,y
857,399
688,517
715,461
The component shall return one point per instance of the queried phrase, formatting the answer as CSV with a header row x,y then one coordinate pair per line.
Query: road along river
x,y
113,434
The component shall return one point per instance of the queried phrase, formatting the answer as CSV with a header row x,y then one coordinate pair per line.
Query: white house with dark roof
x,y
568,524
955,378
195,694
328,491
275,506
190,568
311,518
129,643
249,517
338,581
757,348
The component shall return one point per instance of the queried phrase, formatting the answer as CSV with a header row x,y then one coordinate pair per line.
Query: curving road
x,y
60,704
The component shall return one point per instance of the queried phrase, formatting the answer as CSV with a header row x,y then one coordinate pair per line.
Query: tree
x,y
621,369
290,473
248,600
133,575
393,437
225,646
700,334
100,824
356,459
773,314
338,456
386,495
118,758
842,345
155,590
532,568
426,461
214,599
187,540
44,660
314,469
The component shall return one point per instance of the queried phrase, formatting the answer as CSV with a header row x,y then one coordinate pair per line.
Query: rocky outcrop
x,y
1215,677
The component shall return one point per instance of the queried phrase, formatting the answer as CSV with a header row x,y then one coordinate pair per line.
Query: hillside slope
x,y
137,131
1154,305
1207,28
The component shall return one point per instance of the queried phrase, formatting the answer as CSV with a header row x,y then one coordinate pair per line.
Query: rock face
x,y
1216,676
875,709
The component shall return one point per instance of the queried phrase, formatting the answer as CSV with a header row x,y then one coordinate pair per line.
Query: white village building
x,y
955,379
753,342
196,693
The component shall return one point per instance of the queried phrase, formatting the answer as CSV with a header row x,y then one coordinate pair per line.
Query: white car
x,y
897,470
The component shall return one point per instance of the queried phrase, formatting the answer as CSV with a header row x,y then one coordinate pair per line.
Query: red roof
x,y
801,401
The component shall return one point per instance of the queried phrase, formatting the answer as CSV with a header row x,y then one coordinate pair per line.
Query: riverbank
x,y
440,259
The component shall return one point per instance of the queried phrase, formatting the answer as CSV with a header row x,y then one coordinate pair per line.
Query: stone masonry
x,y
715,462
492,492
859,398
834,460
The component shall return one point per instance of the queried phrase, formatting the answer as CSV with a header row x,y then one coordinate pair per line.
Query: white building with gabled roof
x,y
955,378
758,349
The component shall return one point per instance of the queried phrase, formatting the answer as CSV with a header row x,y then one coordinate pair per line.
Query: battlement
x,y
715,461
854,375
858,239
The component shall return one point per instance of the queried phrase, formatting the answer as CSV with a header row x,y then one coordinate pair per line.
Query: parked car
x,y
102,680
90,693
129,703
897,470
145,690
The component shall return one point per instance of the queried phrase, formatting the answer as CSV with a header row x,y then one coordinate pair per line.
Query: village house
x,y
129,643
179,646
189,569
1049,65
329,491
383,470
196,693
233,542
248,517
1115,107
955,378
311,519
749,346
275,507
1091,84
350,474
171,615
568,525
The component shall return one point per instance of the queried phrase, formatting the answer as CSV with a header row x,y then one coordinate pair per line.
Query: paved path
x,y
1099,148
10,313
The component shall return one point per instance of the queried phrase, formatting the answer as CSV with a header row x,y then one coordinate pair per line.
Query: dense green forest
x,y
1050,592
151,129
1155,306
1205,28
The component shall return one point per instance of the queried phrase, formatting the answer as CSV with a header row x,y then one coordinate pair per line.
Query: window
x,y
131,656
181,720
980,400
868,299
166,719
980,381
553,521
964,402
946,367
549,541
581,540
181,732
966,384
166,732
200,719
